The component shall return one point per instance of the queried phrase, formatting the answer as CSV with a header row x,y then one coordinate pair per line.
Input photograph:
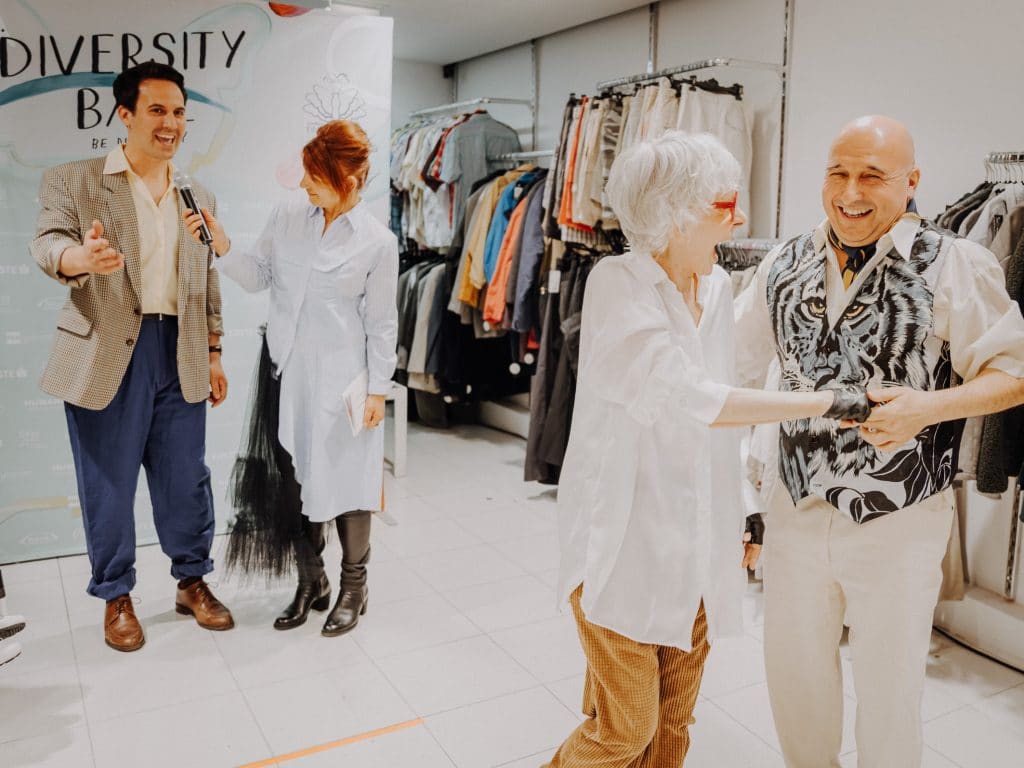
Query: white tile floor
x,y
462,643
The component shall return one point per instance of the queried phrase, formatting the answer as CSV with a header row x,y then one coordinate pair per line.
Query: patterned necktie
x,y
856,256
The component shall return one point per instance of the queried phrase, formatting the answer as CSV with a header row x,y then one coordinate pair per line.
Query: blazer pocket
x,y
73,321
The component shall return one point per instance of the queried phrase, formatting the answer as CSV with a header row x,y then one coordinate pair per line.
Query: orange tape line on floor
x,y
334,744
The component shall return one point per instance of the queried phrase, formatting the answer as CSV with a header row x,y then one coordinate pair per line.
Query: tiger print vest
x,y
884,337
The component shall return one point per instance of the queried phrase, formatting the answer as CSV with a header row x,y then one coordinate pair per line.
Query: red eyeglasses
x,y
728,205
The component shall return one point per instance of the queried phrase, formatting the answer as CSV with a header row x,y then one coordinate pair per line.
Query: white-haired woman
x,y
649,504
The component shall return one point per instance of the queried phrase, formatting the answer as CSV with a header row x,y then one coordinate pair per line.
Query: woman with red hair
x,y
332,272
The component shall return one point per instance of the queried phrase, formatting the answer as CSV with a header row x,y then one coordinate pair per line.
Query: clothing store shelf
x,y
508,415
985,622
722,61
457,105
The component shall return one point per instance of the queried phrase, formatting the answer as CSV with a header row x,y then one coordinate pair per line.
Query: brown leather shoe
x,y
197,600
121,629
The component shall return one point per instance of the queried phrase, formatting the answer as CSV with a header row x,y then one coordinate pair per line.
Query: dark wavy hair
x,y
126,85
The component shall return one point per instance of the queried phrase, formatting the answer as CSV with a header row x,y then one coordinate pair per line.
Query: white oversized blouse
x,y
333,316
650,500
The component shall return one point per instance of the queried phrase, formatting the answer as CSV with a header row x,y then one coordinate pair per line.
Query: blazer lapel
x,y
187,256
124,225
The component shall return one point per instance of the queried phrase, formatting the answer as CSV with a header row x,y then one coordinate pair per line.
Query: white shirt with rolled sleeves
x,y
332,316
971,308
650,507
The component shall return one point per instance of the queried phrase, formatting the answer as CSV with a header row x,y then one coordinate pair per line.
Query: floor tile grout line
x,y
520,759
734,691
571,711
534,574
483,633
241,691
78,671
426,718
743,726
408,703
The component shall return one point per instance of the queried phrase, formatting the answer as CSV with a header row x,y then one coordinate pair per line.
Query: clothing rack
x,y
780,70
743,253
722,61
517,156
1008,168
1004,167
458,105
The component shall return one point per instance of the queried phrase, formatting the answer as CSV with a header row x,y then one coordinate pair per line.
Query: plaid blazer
x,y
100,321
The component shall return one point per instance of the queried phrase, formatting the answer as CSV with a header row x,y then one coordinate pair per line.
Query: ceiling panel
x,y
445,31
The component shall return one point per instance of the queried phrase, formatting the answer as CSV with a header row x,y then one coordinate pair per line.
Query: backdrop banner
x,y
261,78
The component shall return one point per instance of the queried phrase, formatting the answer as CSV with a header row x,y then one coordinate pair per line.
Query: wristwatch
x,y
216,348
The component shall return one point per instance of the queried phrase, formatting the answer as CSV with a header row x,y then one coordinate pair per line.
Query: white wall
x,y
416,85
953,72
575,60
502,74
691,30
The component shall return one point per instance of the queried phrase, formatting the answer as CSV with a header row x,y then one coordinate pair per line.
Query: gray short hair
x,y
669,181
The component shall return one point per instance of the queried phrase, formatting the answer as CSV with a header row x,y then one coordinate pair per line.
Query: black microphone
x,y
184,185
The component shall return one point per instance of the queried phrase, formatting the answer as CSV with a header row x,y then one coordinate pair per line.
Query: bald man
x,y
859,520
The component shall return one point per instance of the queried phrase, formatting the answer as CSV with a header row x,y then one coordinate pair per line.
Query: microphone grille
x,y
181,180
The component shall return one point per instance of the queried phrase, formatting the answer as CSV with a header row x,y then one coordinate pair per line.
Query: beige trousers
x,y
882,580
638,699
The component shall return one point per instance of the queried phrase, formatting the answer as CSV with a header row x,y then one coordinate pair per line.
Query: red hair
x,y
339,150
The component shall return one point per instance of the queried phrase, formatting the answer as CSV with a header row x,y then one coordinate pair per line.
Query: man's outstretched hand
x,y
899,415
94,256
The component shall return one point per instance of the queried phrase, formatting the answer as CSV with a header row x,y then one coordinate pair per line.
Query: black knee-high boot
x,y
354,531
314,591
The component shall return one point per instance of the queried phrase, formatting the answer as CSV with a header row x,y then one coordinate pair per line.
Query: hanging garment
x,y
725,117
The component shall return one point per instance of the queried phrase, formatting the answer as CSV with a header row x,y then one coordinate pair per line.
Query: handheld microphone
x,y
188,196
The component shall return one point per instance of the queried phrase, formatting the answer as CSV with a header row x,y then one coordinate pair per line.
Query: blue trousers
x,y
147,424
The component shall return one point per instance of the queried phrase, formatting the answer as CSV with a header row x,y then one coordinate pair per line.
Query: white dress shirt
x,y
332,316
649,503
158,236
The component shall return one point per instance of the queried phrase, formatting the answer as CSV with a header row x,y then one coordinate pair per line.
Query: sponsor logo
x,y
28,438
51,303
238,333
42,403
38,539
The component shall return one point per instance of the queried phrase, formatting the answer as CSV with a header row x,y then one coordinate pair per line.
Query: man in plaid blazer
x,y
137,350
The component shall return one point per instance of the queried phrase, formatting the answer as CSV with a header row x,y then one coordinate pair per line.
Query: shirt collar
x,y
900,238
117,162
645,267
648,271
352,216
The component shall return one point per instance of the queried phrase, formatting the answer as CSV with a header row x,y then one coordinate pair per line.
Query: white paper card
x,y
355,401
554,280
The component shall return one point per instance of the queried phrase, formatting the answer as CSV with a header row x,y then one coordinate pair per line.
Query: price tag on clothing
x,y
554,280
